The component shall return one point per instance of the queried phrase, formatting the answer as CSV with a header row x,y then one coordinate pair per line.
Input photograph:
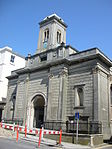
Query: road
x,y
6,143
12,144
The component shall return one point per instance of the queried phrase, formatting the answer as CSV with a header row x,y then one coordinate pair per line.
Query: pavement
x,y
52,143
46,142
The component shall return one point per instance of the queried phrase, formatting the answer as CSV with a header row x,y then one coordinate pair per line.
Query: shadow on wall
x,y
13,101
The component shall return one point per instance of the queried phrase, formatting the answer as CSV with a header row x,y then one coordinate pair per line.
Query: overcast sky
x,y
89,23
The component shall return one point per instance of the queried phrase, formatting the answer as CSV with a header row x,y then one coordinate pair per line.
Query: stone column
x,y
49,97
26,82
28,116
109,98
45,112
16,105
62,94
31,116
96,94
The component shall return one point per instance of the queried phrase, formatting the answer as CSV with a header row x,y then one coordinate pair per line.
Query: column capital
x,y
64,72
50,76
27,78
18,81
96,70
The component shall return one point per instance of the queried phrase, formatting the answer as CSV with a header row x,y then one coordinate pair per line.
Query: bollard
x,y
14,127
60,137
40,137
91,141
17,133
25,130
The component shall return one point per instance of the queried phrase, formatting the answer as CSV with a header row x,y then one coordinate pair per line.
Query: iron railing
x,y
16,121
83,127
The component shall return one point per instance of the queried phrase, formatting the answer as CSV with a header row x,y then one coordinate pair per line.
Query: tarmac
x,y
45,141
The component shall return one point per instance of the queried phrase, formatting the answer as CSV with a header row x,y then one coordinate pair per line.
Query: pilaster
x,y
26,84
50,76
96,94
63,76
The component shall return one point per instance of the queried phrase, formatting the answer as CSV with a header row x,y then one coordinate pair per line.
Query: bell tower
x,y
52,33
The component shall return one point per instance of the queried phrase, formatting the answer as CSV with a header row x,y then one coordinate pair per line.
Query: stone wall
x,y
81,74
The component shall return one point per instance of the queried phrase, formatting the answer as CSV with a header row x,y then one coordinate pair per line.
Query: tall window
x,y
111,93
46,35
12,58
58,37
79,96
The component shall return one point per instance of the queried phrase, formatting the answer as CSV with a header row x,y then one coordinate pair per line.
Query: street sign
x,y
77,118
77,115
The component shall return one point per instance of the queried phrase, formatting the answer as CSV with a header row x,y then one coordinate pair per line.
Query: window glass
x,y
58,37
12,58
46,35
43,58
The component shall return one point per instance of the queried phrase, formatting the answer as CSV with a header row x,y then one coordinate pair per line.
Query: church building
x,y
58,81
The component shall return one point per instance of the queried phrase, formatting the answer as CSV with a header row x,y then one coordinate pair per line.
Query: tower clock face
x,y
45,44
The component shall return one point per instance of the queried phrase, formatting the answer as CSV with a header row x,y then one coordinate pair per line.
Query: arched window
x,y
58,37
46,35
79,96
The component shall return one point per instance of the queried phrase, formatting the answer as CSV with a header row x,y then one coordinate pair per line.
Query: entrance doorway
x,y
0,115
39,103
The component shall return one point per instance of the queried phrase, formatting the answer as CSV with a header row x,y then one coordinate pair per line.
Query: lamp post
x,y
78,111
77,119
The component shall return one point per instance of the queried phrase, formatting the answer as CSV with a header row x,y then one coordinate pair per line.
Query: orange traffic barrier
x,y
36,131
17,133
40,138
60,137
25,130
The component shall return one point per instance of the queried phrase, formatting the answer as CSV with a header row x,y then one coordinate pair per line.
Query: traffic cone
x,y
17,136
25,130
39,138
60,137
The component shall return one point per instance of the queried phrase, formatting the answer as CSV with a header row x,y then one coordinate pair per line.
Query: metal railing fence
x,y
84,127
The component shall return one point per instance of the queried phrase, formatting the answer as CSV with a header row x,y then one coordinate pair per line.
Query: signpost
x,y
77,118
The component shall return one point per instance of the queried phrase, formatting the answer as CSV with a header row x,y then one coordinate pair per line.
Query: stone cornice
x,y
43,66
94,54
52,19
12,77
98,69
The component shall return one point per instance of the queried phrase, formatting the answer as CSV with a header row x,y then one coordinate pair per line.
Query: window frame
x,y
78,101
46,35
59,37
43,57
12,58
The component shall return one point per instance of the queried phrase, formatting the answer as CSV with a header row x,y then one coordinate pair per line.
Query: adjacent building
x,y
58,81
9,61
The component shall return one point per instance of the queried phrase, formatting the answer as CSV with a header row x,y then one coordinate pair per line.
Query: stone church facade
x,y
59,80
